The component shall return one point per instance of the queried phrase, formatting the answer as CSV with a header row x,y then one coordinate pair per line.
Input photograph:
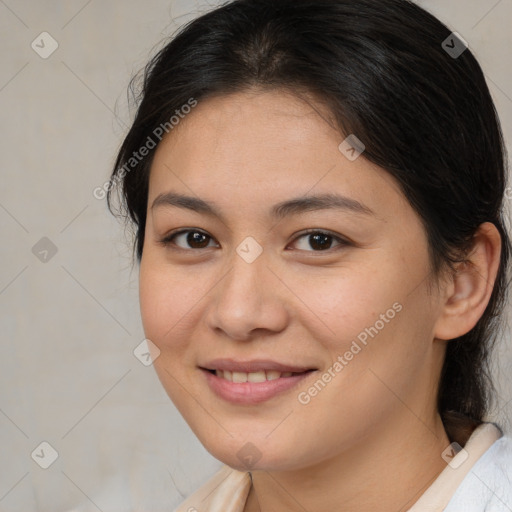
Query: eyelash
x,y
167,241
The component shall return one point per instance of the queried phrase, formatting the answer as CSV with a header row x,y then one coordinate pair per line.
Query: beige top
x,y
228,489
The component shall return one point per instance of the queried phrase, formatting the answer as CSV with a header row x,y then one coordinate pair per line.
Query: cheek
x,y
165,300
347,301
155,302
167,318
382,344
374,316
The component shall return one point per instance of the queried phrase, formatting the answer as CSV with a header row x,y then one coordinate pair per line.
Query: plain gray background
x,y
70,320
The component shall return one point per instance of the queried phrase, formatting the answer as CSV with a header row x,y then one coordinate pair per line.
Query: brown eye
x,y
192,239
319,241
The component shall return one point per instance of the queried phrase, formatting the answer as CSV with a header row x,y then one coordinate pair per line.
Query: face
x,y
288,256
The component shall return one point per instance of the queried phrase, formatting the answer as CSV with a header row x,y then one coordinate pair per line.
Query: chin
x,y
252,456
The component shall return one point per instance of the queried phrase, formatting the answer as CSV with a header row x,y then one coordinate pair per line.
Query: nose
x,y
248,301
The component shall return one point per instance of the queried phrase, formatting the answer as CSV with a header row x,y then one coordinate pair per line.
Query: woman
x,y
317,192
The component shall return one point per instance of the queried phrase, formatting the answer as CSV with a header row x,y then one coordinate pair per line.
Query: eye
x,y
194,238
319,240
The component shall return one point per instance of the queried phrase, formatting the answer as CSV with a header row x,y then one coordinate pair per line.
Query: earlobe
x,y
471,286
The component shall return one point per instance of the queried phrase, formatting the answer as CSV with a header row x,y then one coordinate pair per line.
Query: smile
x,y
260,376
250,388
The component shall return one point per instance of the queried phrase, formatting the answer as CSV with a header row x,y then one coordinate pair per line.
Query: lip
x,y
254,365
251,393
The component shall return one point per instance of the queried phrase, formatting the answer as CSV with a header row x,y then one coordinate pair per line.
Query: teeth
x,y
239,377
261,376
256,377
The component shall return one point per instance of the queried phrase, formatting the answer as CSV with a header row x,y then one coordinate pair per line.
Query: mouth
x,y
252,382
259,376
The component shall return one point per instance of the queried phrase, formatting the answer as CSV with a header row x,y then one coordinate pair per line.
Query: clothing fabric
x,y
477,478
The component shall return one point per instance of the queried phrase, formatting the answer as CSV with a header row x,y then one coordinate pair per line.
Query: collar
x,y
437,496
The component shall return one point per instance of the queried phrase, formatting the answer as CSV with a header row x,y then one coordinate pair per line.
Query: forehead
x,y
262,146
245,123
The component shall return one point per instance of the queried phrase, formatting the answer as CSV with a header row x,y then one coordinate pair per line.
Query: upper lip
x,y
254,365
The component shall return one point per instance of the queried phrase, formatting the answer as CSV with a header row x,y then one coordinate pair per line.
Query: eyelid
x,y
342,242
167,240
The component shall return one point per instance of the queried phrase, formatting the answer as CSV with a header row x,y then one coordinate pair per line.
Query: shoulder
x,y
488,485
226,491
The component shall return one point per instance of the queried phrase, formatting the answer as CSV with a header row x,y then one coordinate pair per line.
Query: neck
x,y
375,474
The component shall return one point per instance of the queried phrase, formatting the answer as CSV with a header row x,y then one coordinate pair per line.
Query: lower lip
x,y
251,392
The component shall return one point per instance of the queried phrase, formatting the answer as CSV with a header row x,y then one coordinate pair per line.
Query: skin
x,y
372,438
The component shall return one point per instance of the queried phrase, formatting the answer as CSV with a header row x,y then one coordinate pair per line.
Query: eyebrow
x,y
280,210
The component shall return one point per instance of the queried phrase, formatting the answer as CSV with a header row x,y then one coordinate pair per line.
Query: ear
x,y
467,293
